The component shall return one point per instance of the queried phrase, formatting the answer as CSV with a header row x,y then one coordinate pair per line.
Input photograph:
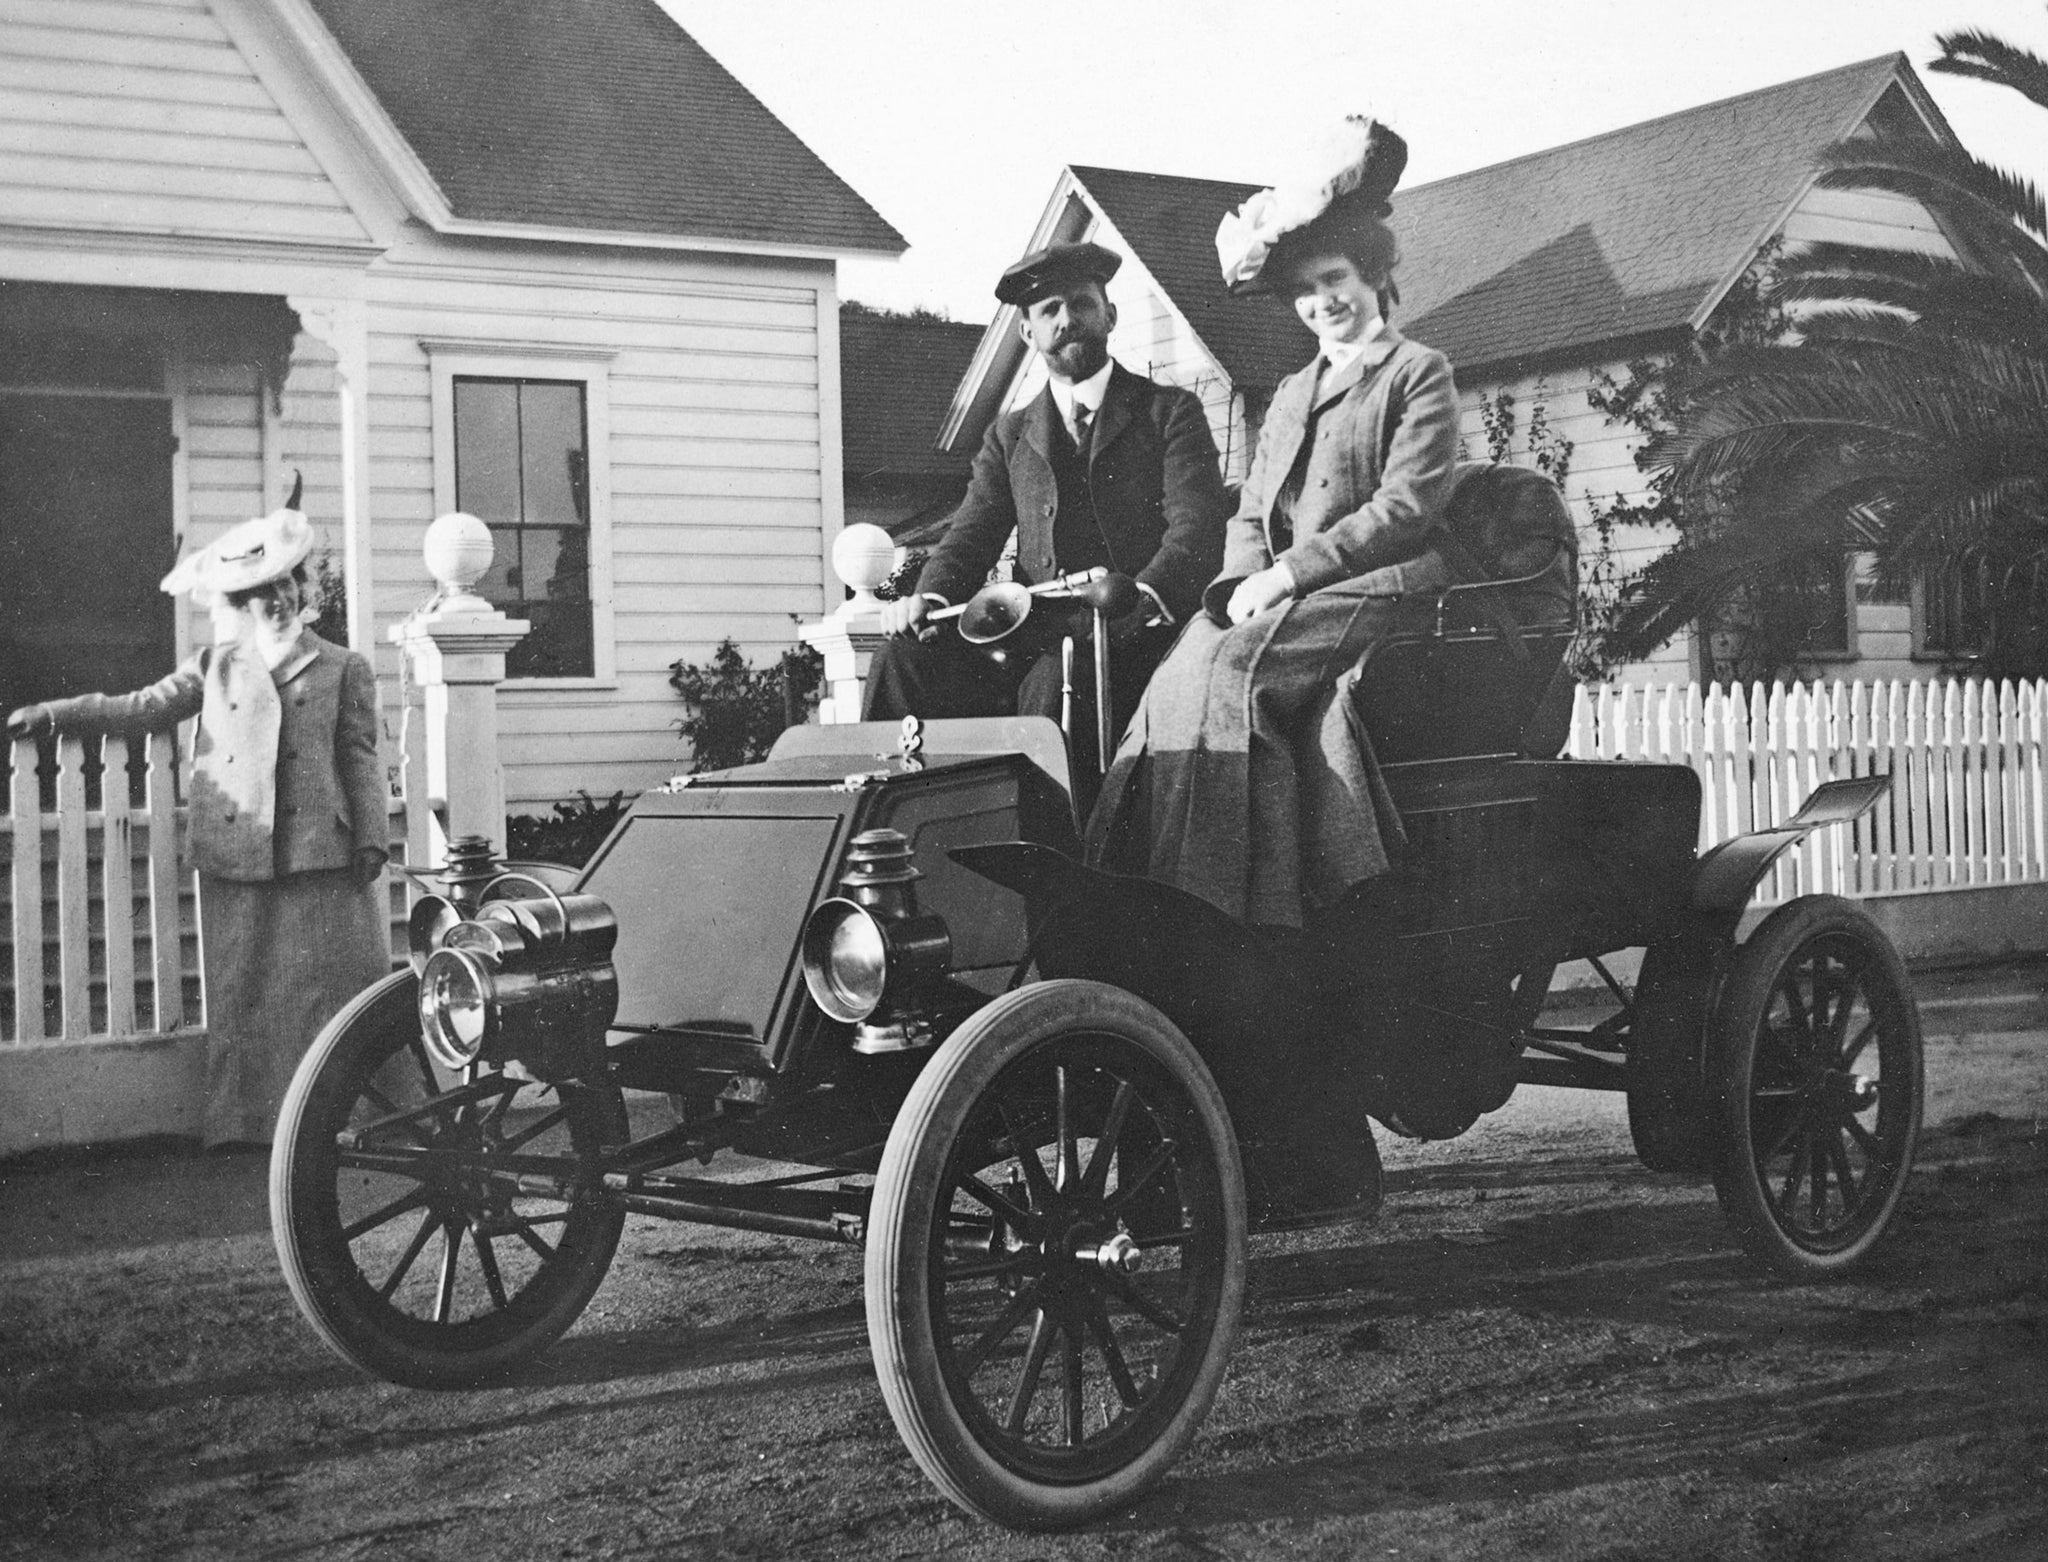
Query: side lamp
x,y
868,953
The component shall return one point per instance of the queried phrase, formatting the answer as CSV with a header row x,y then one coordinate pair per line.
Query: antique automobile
x,y
887,1006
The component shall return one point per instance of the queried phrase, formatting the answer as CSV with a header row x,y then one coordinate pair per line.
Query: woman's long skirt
x,y
282,957
1246,778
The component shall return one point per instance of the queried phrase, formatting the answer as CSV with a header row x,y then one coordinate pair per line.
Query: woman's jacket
x,y
286,776
1376,478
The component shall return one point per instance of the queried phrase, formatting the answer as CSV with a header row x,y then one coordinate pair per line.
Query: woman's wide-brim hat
x,y
1342,190
244,557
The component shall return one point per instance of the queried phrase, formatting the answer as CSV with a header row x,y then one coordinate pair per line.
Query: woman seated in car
x,y
1242,779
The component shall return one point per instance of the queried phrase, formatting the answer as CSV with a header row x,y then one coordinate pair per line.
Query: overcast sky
x,y
954,117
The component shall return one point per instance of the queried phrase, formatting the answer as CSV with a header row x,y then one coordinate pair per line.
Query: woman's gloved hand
x,y
368,866
1257,592
29,721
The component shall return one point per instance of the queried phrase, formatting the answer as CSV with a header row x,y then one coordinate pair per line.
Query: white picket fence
x,y
78,869
95,863
1966,801
1966,807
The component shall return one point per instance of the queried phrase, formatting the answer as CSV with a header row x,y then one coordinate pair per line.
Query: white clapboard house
x,y
541,260
1535,276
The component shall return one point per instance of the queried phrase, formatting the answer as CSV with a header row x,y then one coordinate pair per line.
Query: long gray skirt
x,y
1245,778
281,959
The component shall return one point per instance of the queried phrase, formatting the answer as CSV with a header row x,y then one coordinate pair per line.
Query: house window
x,y
520,441
522,465
1809,610
1954,613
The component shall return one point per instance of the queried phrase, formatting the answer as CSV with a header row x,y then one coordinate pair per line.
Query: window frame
x,y
1922,651
591,368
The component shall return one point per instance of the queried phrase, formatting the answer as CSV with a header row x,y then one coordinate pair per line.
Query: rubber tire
x,y
332,1292
1739,1016
1670,1109
899,1283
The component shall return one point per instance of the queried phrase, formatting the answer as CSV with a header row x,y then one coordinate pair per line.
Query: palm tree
x,y
1907,415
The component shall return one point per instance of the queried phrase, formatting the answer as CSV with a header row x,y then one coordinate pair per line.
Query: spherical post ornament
x,y
863,556
458,551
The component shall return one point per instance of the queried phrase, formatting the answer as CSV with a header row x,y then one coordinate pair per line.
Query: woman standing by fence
x,y
288,822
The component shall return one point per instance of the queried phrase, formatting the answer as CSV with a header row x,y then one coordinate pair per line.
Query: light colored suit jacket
x,y
286,776
1378,476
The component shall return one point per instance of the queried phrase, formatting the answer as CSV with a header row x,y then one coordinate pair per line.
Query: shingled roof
x,y
604,117
896,379
1623,235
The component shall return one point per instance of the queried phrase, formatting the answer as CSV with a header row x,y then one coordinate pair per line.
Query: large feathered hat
x,y
1344,187
245,556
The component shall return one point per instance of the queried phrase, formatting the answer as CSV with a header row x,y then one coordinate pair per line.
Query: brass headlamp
x,y
529,976
869,951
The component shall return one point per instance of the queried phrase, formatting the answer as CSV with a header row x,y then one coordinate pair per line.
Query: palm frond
x,y
1986,57
1910,165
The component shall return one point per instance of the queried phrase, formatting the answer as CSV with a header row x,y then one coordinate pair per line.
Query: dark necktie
x,y
1084,425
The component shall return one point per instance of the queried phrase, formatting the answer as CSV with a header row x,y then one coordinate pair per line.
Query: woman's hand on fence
x,y
28,721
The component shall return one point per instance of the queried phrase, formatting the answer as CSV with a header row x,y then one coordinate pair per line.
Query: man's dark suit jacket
x,y
1151,469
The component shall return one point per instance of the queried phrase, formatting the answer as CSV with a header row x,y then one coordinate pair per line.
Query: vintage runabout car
x,y
888,1006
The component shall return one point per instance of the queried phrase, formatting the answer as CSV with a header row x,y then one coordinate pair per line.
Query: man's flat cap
x,y
1054,267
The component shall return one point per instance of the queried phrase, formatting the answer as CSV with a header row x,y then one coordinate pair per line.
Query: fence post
x,y
456,646
863,557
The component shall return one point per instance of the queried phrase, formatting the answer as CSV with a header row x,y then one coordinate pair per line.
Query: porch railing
x,y
1966,805
100,923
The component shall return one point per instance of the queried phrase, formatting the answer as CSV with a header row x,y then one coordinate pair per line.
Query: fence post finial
x,y
455,648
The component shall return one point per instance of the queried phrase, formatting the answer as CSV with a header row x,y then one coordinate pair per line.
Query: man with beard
x,y
1102,467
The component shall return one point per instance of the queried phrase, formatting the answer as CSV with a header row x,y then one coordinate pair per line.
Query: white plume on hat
x,y
1335,167
243,557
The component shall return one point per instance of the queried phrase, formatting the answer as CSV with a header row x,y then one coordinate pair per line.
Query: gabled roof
x,y
896,379
1171,224
598,115
1627,234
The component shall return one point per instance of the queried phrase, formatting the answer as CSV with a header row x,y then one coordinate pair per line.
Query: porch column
x,y
456,646
863,557
344,325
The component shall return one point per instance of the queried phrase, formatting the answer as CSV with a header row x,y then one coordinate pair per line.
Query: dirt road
x,y
1539,1350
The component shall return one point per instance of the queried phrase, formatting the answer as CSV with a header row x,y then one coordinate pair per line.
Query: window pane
x,y
521,464
487,450
551,445
559,645
557,565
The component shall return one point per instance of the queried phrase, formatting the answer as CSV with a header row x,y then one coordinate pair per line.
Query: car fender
x,y
1726,876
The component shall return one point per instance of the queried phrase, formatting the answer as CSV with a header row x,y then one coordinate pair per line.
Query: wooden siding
x,y
1873,218
1602,468
716,512
142,116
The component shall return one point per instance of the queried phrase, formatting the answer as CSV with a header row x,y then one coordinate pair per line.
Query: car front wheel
x,y
1056,1255
436,1232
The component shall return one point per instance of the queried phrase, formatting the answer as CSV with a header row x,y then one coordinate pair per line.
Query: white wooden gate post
x,y
456,647
863,557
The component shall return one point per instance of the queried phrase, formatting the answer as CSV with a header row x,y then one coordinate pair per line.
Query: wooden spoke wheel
x,y
1818,1081
1055,1260
436,1233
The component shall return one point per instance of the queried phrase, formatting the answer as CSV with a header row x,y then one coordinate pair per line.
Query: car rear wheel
x,y
436,1233
1818,1077
1056,1255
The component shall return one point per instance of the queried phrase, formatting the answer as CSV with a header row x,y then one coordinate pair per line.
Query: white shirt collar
x,y
1341,355
1088,393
